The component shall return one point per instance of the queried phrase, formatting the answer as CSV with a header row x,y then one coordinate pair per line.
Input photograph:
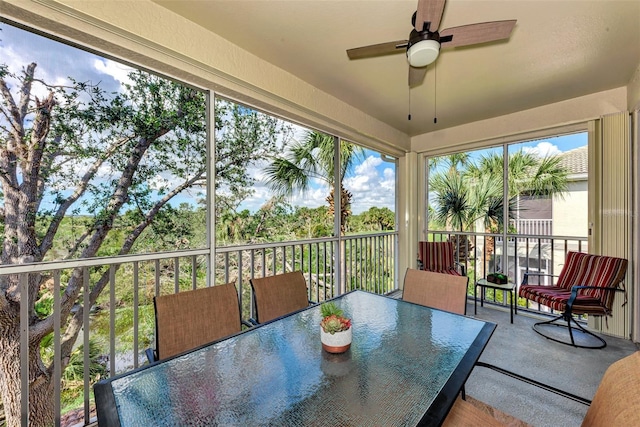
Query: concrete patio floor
x,y
516,347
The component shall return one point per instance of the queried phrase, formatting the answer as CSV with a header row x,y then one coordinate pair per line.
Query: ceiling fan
x,y
425,41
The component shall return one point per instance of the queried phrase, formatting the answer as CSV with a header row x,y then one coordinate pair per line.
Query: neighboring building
x,y
570,213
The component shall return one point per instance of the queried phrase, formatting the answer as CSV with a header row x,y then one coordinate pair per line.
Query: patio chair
x,y
586,285
187,320
278,295
439,257
437,290
616,402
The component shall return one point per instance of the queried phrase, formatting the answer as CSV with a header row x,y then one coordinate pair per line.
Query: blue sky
x,y
558,144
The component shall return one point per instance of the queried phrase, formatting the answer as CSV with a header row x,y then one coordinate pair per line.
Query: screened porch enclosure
x,y
357,229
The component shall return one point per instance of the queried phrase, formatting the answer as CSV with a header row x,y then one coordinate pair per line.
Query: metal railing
x,y
122,320
537,227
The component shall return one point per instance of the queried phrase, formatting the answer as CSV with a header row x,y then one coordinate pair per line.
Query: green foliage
x,y
382,218
44,306
465,191
73,375
243,137
330,309
311,159
125,325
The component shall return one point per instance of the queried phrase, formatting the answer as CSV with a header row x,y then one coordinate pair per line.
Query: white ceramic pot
x,y
336,343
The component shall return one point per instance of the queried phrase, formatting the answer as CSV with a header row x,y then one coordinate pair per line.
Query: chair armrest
x,y
576,288
525,277
151,354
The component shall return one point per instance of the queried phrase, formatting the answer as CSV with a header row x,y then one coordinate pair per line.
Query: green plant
x,y
332,319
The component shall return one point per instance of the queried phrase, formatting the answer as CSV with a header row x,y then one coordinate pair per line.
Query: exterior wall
x,y
149,35
570,215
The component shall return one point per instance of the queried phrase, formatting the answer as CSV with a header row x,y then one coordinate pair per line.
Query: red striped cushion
x,y
554,297
592,270
557,298
581,269
438,257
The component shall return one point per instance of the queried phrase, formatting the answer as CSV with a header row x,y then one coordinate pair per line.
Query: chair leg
x,y
578,328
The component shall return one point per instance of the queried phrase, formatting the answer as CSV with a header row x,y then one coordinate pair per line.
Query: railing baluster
x,y
194,276
24,349
176,275
57,348
136,315
157,277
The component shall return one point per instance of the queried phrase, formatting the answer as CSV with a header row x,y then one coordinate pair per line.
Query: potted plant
x,y
335,329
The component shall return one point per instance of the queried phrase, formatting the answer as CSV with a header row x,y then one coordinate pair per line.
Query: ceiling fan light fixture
x,y
423,53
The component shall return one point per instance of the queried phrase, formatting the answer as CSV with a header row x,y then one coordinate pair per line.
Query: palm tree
x,y
475,192
311,159
454,161
528,173
452,200
470,191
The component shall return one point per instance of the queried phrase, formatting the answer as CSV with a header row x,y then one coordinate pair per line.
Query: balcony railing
x,y
537,227
122,321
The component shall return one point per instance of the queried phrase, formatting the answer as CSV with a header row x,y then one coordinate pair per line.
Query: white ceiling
x,y
558,50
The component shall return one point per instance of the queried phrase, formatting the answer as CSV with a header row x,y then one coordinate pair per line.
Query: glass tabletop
x,y
401,358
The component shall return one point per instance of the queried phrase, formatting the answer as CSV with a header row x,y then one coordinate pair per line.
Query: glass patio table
x,y
406,366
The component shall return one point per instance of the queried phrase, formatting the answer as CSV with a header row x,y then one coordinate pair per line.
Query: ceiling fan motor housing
x,y
423,48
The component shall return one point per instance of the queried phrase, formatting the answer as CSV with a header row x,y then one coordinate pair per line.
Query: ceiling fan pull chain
x,y
409,116
435,86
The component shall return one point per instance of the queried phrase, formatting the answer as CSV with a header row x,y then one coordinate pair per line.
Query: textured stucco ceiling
x,y
558,50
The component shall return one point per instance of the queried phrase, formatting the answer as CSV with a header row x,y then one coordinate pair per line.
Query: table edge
x,y
501,286
441,406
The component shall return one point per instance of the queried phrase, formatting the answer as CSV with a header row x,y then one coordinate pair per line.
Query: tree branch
x,y
47,240
75,325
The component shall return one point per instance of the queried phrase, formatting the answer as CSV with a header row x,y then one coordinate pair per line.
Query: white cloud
x,y
117,71
313,198
370,184
543,149
371,187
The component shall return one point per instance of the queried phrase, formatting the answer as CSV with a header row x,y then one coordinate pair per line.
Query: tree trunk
x,y
40,384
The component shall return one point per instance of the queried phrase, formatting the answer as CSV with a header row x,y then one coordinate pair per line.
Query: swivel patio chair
x,y
278,295
436,290
439,257
616,402
189,319
586,285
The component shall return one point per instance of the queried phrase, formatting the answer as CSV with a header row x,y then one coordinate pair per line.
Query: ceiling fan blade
x,y
416,75
429,11
377,49
477,33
